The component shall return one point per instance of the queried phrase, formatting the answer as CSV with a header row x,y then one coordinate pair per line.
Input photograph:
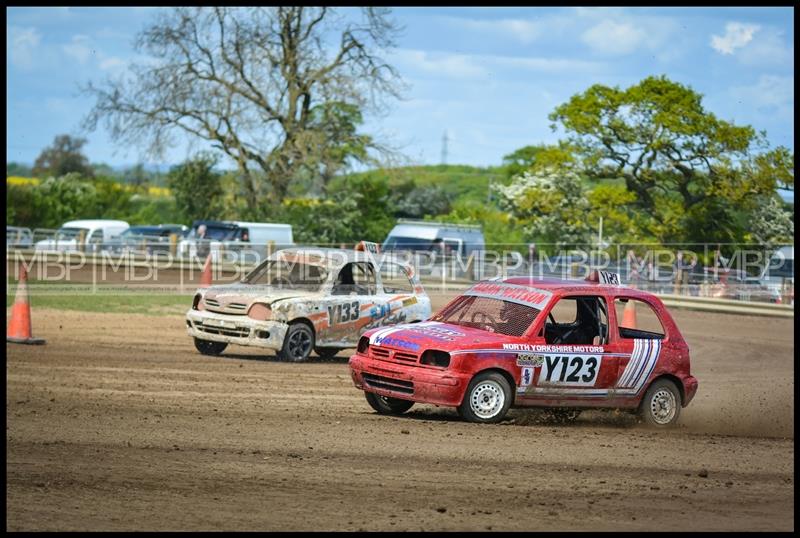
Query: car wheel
x,y
487,399
298,343
562,416
661,405
207,347
386,405
326,353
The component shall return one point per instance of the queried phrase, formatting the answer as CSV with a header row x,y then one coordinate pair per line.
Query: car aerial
x,y
566,345
305,299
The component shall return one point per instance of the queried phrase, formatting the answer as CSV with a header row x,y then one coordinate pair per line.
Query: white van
x,y
236,236
419,235
94,233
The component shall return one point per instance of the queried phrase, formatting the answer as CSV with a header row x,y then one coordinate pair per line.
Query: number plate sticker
x,y
216,323
569,370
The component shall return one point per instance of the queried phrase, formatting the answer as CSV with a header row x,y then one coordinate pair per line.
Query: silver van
x,y
418,235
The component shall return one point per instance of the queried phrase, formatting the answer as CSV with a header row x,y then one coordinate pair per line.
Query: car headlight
x,y
260,312
435,358
363,345
198,303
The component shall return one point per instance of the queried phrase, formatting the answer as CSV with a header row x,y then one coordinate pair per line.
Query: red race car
x,y
559,344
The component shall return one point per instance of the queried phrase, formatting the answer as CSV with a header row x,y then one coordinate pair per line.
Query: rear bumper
x,y
240,330
689,389
415,383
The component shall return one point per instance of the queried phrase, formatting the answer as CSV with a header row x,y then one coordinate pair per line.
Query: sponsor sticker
x,y
529,359
526,377
524,295
409,301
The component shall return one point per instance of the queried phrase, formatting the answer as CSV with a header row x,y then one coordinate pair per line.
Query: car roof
x,y
560,286
94,223
342,255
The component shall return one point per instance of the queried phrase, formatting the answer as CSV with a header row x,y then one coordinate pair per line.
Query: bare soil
x,y
117,423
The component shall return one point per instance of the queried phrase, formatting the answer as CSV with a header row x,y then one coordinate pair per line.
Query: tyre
x,y
387,406
207,347
298,343
562,416
487,399
326,353
661,405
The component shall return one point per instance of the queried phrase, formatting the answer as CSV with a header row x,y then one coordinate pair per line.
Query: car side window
x,y
577,320
364,277
395,279
355,278
637,319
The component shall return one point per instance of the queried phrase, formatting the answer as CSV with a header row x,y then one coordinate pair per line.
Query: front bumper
x,y
231,329
415,383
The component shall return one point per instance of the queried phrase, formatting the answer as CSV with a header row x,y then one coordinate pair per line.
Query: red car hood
x,y
417,337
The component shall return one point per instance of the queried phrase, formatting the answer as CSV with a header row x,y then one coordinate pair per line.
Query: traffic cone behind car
x,y
629,315
19,326
205,276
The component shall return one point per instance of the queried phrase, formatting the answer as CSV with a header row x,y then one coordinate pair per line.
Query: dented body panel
x,y
255,314
612,372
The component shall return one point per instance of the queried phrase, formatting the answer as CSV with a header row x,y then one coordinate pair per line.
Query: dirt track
x,y
119,424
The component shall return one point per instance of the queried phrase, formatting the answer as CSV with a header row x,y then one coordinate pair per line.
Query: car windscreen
x,y
489,314
396,242
215,233
290,274
67,234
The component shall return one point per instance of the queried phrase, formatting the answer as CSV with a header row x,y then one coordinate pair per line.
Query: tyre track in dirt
x,y
118,423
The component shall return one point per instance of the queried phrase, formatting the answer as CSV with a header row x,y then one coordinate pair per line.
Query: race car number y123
x,y
569,370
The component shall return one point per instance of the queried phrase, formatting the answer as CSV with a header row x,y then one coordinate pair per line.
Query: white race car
x,y
307,299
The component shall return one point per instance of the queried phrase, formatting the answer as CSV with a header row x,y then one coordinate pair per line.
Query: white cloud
x,y
22,43
625,34
768,47
609,37
453,65
78,48
485,65
521,30
771,94
113,64
737,35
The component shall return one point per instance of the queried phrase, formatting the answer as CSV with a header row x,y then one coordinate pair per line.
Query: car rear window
x,y
493,315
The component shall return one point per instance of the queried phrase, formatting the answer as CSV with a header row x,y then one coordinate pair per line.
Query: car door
x,y
574,355
640,335
397,300
352,299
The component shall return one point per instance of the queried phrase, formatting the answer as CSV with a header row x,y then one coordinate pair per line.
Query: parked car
x,y
235,236
527,342
18,237
89,235
303,300
148,239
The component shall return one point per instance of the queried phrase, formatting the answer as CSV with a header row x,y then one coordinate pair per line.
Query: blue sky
x,y
486,76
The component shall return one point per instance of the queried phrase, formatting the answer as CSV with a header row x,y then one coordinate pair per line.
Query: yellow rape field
x,y
152,191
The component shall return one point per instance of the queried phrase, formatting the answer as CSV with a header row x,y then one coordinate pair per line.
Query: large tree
x,y
273,88
679,159
197,188
65,156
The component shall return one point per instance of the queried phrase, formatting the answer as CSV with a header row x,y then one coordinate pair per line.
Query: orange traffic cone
x,y
205,276
629,315
19,327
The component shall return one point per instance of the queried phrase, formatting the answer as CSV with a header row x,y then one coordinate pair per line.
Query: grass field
x,y
81,297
